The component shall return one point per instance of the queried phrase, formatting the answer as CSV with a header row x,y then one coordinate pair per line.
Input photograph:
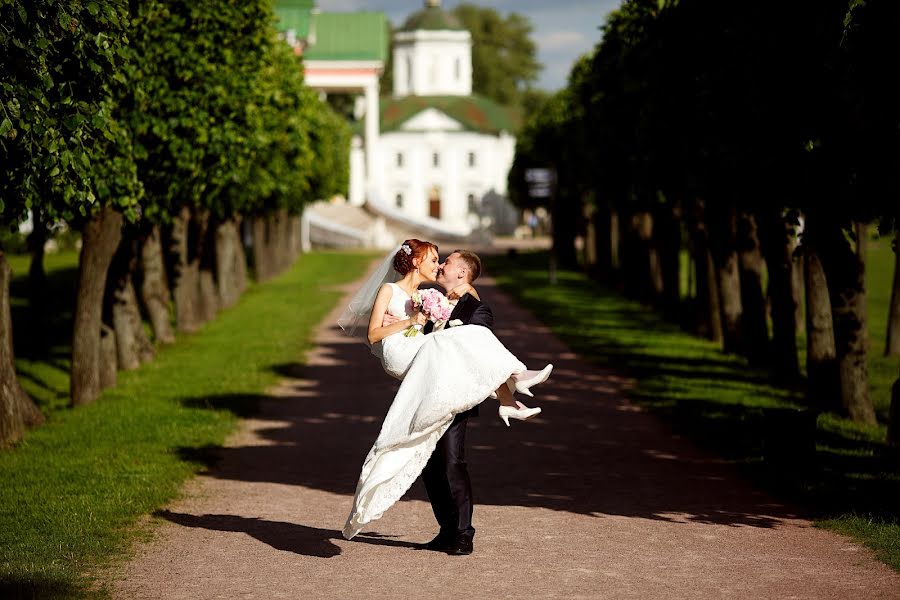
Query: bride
x,y
443,374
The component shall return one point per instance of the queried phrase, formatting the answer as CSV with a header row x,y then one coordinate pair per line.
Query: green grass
x,y
840,471
74,488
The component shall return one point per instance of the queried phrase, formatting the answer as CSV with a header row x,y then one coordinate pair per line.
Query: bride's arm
x,y
376,331
461,290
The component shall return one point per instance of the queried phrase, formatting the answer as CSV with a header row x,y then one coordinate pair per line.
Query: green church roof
x,y
475,113
349,36
432,17
294,14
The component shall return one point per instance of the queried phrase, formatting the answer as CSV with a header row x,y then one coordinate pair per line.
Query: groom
x,y
446,475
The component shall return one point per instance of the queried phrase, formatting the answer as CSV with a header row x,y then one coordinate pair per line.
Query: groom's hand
x,y
389,319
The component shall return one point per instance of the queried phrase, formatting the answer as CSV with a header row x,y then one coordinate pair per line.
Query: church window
x,y
473,206
457,69
436,160
399,159
398,200
471,159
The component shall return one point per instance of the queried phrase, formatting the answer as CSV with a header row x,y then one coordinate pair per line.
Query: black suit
x,y
446,475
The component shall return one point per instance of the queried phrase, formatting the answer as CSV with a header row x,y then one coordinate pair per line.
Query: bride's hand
x,y
389,319
461,290
418,319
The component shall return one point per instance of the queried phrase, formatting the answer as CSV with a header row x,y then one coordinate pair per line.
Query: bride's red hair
x,y
403,261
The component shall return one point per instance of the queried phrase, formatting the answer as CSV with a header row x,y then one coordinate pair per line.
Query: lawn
x,y
75,487
841,471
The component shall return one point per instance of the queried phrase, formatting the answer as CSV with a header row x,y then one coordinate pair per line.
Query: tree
x,y
66,151
504,63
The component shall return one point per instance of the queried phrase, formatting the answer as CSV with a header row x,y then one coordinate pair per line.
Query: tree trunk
x,y
823,387
638,262
667,234
240,264
284,241
185,277
845,271
294,237
707,306
754,321
154,287
778,244
798,284
227,241
108,357
893,432
37,283
262,266
132,345
603,236
99,242
723,245
207,294
16,409
892,347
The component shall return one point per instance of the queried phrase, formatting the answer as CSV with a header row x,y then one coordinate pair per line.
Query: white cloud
x,y
555,40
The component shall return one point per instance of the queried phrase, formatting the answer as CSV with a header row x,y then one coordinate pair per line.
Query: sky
x,y
563,29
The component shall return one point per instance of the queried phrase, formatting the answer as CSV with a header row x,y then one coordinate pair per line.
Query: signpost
x,y
541,184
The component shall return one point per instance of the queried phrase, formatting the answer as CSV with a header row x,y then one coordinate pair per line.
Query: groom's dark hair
x,y
472,261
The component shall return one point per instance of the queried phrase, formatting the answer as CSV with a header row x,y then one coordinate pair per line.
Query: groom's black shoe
x,y
461,546
440,543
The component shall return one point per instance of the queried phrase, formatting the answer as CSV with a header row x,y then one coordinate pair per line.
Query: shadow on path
x,y
590,452
288,537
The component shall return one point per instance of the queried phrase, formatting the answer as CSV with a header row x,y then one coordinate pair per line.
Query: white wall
x,y
454,177
432,57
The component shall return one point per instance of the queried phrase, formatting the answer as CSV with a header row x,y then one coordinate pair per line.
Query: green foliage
x,y
75,487
504,62
192,118
62,80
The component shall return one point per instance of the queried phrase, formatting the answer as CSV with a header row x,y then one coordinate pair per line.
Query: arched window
x,y
399,159
473,205
471,159
398,200
435,160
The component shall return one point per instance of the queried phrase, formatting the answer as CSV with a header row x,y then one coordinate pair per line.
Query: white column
x,y
373,177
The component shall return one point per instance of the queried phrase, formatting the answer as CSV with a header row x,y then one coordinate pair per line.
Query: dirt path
x,y
593,499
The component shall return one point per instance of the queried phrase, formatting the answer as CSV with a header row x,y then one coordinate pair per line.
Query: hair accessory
x,y
406,248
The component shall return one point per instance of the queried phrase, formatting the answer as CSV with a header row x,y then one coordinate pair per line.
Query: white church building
x,y
429,150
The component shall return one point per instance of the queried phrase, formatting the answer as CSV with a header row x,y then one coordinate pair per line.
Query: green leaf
x,y
5,127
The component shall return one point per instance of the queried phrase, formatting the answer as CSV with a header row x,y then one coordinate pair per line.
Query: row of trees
x,y
724,128
160,130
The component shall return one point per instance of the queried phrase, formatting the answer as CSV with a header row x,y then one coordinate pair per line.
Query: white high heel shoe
x,y
522,385
521,413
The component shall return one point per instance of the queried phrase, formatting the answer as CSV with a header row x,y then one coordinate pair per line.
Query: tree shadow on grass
x,y
32,589
288,537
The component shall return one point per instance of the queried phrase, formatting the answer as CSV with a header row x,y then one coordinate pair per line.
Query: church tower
x,y
432,55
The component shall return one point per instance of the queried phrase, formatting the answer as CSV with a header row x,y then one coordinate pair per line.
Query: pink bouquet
x,y
433,303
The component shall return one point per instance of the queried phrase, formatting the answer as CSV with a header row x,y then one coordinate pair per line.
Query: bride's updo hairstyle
x,y
410,249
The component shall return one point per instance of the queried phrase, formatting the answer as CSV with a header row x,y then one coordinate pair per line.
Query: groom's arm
x,y
483,316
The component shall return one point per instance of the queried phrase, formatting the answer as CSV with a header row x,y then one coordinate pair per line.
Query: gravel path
x,y
592,499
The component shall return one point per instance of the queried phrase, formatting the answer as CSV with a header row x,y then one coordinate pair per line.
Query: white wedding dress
x,y
444,373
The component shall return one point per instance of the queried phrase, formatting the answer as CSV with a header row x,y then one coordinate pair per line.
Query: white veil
x,y
354,320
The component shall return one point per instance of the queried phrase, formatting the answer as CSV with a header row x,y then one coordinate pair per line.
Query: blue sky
x,y
563,29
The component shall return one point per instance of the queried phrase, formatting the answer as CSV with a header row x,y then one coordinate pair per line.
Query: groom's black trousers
x,y
446,479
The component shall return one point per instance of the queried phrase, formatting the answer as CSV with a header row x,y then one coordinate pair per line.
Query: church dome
x,y
433,18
